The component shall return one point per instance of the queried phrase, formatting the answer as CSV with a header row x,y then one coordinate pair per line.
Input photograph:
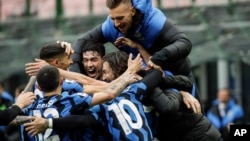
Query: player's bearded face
x,y
107,72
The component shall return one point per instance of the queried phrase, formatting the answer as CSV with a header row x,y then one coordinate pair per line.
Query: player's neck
x,y
58,91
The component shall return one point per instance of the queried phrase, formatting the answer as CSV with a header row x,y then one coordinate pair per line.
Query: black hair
x,y
48,78
51,50
94,45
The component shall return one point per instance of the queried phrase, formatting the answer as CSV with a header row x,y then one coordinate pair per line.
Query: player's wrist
x,y
49,123
19,105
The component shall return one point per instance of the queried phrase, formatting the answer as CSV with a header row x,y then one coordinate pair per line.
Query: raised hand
x,y
25,99
154,66
36,126
33,67
191,102
68,47
123,41
134,65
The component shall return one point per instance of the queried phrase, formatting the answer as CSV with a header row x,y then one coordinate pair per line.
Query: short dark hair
x,y
94,45
48,78
114,3
51,50
118,61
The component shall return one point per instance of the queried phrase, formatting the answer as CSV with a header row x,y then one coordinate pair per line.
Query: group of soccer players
x,y
118,96
136,104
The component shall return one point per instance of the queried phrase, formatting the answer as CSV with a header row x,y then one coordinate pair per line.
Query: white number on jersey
x,y
124,118
47,133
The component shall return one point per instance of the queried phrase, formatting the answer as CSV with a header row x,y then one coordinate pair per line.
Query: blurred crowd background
x,y
219,31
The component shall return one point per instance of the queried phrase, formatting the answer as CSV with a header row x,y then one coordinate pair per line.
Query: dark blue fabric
x,y
146,34
71,86
54,107
124,116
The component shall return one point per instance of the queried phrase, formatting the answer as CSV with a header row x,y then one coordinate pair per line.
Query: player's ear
x,y
56,62
61,80
133,10
53,62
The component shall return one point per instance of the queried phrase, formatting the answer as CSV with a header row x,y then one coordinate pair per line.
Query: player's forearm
x,y
29,86
74,121
155,75
19,120
73,76
9,114
145,55
83,79
90,89
116,88
110,92
165,102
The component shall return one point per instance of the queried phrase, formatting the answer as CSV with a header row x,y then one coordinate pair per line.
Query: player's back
x,y
124,115
55,106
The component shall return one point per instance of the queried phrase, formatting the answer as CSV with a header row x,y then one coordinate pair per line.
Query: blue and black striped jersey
x,y
69,86
124,115
57,106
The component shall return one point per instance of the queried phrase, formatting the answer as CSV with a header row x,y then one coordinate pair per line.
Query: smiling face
x,y
122,16
55,55
92,63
